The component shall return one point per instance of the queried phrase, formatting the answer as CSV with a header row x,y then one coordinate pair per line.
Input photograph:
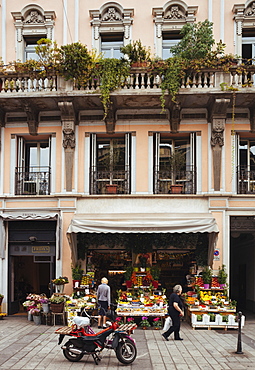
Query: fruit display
x,y
139,302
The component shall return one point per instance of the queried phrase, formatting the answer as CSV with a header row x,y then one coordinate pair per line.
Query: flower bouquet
x,y
28,304
35,311
145,323
157,324
44,300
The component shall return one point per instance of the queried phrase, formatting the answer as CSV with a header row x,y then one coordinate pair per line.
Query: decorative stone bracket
x,y
68,124
218,116
175,117
32,118
110,119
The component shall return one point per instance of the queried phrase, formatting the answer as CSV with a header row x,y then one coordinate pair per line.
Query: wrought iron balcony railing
x,y
245,180
109,182
32,181
170,182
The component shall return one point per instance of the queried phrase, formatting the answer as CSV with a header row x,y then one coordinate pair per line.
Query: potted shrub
x,y
127,276
222,276
144,323
177,162
137,54
57,304
207,277
77,272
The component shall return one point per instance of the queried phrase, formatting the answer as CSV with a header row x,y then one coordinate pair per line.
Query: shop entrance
x,y
242,262
32,246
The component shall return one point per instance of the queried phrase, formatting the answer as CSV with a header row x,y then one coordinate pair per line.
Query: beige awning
x,y
146,223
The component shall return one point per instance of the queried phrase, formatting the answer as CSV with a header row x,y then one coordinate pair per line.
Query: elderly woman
x,y
104,301
175,310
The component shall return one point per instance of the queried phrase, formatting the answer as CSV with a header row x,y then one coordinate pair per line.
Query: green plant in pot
x,y
207,276
137,54
77,272
222,276
176,164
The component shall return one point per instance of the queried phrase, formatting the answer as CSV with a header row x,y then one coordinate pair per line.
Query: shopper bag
x,y
168,323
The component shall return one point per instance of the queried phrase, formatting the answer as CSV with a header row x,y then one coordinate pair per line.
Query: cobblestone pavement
x,y
23,345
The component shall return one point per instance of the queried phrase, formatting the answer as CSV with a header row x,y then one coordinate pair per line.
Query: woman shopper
x,y
104,301
175,311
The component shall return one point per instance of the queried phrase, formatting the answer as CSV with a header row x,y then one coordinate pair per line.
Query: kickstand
x,y
96,358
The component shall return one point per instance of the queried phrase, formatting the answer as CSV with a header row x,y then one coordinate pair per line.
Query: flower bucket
x,y
76,283
206,286
37,319
45,307
29,316
59,288
222,286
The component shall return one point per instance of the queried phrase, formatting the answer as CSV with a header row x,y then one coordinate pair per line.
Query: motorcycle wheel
x,y
126,351
70,356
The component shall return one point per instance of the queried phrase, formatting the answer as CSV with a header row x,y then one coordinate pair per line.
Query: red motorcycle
x,y
85,341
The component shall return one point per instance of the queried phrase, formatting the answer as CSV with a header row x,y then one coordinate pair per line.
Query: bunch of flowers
x,y
119,320
157,322
44,300
144,322
60,280
28,305
130,320
35,311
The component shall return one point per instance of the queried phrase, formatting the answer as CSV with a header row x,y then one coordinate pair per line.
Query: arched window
x,y
32,23
168,22
111,28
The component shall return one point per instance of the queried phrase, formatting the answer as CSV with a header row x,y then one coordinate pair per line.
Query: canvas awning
x,y
145,223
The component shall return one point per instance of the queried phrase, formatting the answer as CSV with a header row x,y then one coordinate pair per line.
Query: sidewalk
x,y
23,345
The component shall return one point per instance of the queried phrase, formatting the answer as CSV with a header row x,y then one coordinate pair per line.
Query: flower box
x,y
57,307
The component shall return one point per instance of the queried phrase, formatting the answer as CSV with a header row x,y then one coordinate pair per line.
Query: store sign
x,y
40,249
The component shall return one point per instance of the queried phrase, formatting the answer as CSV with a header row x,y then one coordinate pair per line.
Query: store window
x,y
32,23
110,164
169,20
32,175
246,166
174,164
111,44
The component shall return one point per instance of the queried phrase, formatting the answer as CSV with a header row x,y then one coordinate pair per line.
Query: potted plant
x,y
60,283
36,313
222,276
127,275
157,324
77,272
1,298
57,304
137,54
45,304
207,277
177,162
144,323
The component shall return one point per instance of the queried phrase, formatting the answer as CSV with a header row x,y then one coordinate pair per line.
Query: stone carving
x,y
69,140
112,14
175,117
250,11
174,13
217,137
34,17
32,119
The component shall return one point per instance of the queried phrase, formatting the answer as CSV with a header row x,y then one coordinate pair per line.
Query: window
x,y
248,46
246,166
169,20
111,44
32,23
169,40
111,28
33,170
110,164
174,164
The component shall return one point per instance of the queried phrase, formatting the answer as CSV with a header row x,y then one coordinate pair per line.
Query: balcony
x,y
34,181
165,181
245,181
109,182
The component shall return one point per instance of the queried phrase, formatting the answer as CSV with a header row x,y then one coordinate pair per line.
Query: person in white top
x,y
104,301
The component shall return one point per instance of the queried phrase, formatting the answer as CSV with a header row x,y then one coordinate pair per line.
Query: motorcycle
x,y
85,341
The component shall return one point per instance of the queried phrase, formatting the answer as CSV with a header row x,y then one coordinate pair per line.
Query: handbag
x,y
168,323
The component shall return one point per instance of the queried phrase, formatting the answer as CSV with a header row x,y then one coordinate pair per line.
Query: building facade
x,y
66,170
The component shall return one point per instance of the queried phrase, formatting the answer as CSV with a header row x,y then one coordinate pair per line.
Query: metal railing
x,y
178,182
109,182
245,181
32,181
